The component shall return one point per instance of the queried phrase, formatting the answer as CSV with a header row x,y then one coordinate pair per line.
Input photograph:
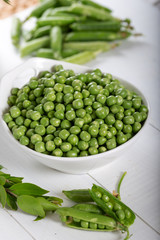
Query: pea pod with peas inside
x,y
83,220
112,206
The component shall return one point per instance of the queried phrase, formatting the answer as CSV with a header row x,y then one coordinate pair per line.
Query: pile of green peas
x,y
65,114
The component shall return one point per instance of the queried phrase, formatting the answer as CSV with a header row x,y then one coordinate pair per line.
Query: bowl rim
x,y
81,158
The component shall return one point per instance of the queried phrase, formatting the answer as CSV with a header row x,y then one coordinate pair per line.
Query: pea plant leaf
x,y
11,202
1,167
30,205
47,206
3,196
2,180
54,200
27,189
15,179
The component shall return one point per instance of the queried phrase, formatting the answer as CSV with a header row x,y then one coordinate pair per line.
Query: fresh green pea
x,y
137,117
7,117
24,140
48,137
40,129
71,153
110,119
118,125
15,112
36,138
64,134
57,152
82,145
120,214
121,139
127,128
59,114
40,147
136,127
105,198
66,146
75,130
111,144
85,136
70,115
34,124
128,120
79,122
101,140
109,205
50,146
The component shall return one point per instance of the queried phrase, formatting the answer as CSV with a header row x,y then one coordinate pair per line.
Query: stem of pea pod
x,y
117,194
11,193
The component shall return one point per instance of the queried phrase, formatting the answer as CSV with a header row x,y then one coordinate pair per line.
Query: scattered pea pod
x,y
78,195
90,11
48,53
96,36
16,31
55,20
56,41
88,221
112,206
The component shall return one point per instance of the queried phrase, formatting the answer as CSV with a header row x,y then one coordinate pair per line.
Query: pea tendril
x,y
119,185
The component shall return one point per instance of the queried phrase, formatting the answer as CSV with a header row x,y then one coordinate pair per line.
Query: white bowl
x,y
78,165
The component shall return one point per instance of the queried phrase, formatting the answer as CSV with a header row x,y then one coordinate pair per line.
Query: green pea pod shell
x,y
78,195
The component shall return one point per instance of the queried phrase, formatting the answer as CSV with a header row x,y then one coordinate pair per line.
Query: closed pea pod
x,y
56,41
16,31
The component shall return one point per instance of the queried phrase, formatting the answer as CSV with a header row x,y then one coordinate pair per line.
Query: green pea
x,y
101,226
78,95
71,153
101,113
136,103
11,124
93,150
14,91
58,87
82,145
120,214
50,146
136,127
119,116
48,106
30,132
127,128
7,117
24,140
57,152
109,135
49,82
101,140
66,146
109,205
85,93
78,103
59,97
55,122
93,225
102,149
34,124
119,100
105,198
110,119
75,130
17,133
59,114
128,120
80,113
113,130
50,129
51,96
128,112
39,108
101,98
65,124
121,139
118,125
68,98
85,136
110,100
40,129
68,89
15,112
76,220
144,115
143,108
84,224
93,142
102,132
127,104
48,137
70,115
63,134
83,154
127,213
36,138
93,130
122,92
33,83
111,144
93,89
117,207
73,139
76,149
87,119
98,194
40,147
79,122
137,117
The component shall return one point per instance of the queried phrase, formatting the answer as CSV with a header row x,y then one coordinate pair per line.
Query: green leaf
x,y
15,179
27,189
7,1
3,196
1,167
47,206
11,202
54,200
38,218
30,205
2,180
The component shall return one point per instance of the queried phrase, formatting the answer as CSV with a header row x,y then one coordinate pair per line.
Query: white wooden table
x,y
136,60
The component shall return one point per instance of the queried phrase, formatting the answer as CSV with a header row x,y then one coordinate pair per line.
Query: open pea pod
x,y
112,206
88,221
88,207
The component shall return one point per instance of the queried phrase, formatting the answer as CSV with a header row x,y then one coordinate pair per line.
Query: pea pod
x,y
16,31
56,41
88,221
33,45
88,207
78,195
37,11
112,206
94,4
90,11
96,36
111,25
48,53
82,57
55,20
89,46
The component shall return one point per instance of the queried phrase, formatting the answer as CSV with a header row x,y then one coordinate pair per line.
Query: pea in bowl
x,y
70,123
